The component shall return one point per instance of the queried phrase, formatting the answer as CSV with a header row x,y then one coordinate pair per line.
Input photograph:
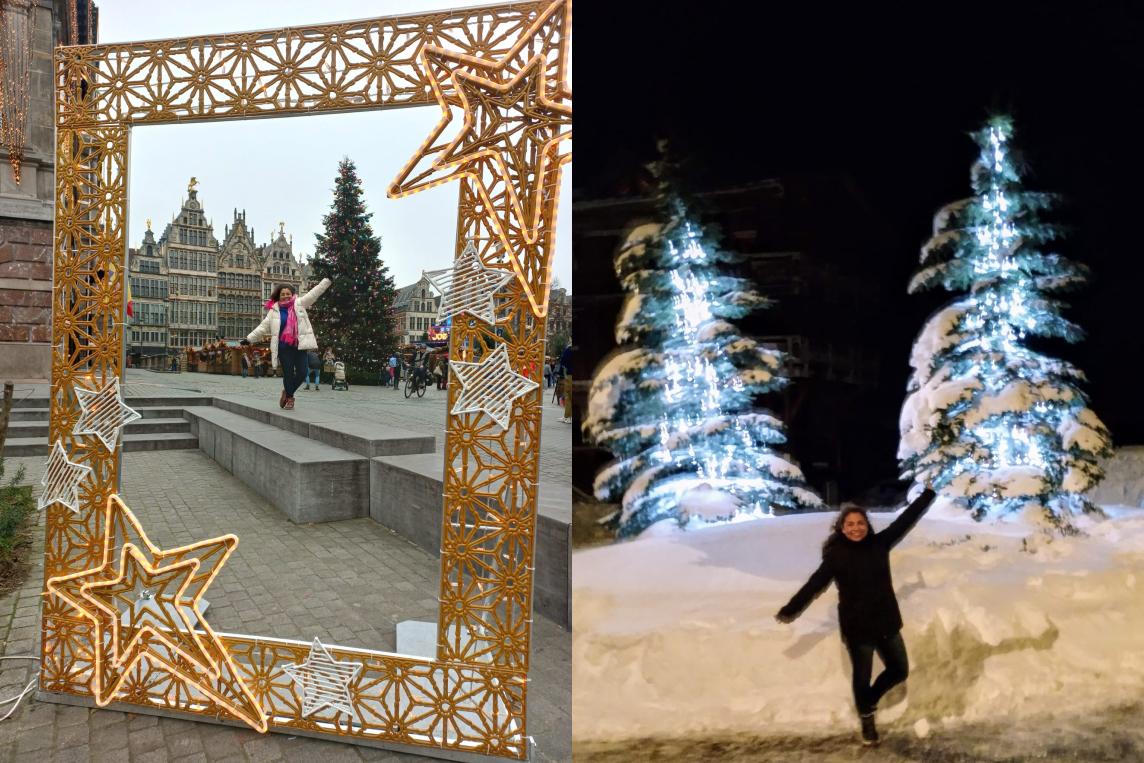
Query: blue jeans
x,y
312,376
892,651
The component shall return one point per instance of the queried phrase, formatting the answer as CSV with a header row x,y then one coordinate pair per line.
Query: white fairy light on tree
x,y
997,424
677,411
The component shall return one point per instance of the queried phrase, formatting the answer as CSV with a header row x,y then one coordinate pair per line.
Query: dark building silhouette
x,y
812,244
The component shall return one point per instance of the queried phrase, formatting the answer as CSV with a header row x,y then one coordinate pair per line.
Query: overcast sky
x,y
284,169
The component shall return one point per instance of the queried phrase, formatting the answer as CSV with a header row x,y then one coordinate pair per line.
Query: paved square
x,y
348,583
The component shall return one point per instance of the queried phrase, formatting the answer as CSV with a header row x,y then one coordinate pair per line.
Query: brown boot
x,y
282,399
289,404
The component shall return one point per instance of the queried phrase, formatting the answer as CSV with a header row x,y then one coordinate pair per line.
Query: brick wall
x,y
25,299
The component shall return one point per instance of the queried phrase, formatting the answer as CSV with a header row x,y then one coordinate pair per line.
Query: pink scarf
x,y
289,334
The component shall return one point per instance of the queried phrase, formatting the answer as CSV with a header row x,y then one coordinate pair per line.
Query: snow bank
x,y
1124,478
674,636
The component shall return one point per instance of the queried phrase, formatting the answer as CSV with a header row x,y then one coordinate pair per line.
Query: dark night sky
x,y
889,99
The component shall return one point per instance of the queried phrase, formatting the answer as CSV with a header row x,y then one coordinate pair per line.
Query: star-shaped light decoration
x,y
490,386
323,681
61,480
514,128
144,603
517,111
469,286
103,413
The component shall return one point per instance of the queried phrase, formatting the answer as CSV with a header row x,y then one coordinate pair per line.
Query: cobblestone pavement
x,y
347,582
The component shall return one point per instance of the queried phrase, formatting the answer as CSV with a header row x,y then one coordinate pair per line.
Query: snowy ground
x,y
1113,735
674,637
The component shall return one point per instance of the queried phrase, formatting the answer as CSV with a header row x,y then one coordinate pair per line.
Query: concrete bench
x,y
308,481
361,437
407,497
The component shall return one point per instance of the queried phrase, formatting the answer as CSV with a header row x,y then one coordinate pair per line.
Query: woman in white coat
x,y
291,335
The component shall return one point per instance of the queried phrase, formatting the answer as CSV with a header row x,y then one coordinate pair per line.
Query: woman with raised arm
x,y
291,335
857,559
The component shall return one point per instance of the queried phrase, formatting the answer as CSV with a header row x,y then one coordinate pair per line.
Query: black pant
x,y
892,651
294,368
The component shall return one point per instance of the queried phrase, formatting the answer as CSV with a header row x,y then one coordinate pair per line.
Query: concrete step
x,y
307,480
160,441
136,402
29,414
38,446
407,496
141,426
26,446
44,414
364,438
159,412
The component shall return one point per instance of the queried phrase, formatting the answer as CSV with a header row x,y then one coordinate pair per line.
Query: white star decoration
x,y
104,413
490,386
61,480
469,286
323,681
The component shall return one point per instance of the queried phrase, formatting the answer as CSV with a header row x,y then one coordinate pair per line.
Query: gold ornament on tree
x,y
19,22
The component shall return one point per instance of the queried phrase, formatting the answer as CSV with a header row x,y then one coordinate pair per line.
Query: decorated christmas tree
x,y
676,407
998,425
355,316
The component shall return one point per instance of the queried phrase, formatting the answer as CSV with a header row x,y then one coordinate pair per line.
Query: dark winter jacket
x,y
867,607
565,368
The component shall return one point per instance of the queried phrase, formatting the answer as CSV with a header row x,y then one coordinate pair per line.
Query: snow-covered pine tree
x,y
1000,426
356,315
676,408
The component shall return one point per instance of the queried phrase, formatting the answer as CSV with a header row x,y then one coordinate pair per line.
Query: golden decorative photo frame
x,y
506,69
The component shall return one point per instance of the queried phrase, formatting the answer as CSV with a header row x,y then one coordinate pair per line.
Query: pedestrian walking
x,y
244,360
857,559
288,327
328,361
393,370
565,375
314,360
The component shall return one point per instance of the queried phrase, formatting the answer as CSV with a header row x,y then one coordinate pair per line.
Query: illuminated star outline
x,y
465,71
89,592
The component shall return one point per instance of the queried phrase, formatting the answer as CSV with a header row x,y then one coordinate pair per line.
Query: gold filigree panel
x,y
500,76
